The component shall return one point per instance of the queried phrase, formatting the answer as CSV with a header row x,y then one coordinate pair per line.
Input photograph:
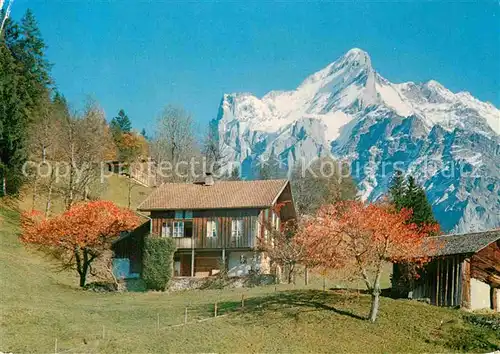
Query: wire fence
x,y
192,314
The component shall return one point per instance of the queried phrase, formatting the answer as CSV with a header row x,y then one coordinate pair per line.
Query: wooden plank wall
x,y
442,281
224,219
485,265
466,295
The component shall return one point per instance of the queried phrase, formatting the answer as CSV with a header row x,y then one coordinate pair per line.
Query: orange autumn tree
x,y
80,235
360,238
131,146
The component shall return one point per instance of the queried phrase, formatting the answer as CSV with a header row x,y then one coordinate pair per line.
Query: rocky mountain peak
x,y
349,110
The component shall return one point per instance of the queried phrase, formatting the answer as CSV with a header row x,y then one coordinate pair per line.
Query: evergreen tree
x,y
408,194
144,134
33,51
121,123
397,190
13,124
24,91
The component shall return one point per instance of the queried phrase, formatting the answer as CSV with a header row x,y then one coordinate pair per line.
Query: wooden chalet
x,y
213,224
464,271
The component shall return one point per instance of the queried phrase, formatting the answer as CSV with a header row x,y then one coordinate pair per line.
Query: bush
x,y
157,261
491,321
471,339
101,286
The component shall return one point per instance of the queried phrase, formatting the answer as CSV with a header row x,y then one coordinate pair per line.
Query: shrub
x,y
471,339
491,321
157,262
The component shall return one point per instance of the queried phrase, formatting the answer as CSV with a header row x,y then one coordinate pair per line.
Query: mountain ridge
x,y
350,110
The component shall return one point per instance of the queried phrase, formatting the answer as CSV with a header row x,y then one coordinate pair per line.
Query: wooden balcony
x,y
215,242
183,242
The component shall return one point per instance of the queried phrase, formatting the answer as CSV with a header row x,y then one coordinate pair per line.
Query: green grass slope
x,y
40,307
114,188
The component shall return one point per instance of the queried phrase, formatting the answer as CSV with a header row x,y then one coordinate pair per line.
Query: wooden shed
x,y
464,272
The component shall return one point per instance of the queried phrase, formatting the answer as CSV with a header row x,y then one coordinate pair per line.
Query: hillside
x,y
40,306
114,188
448,141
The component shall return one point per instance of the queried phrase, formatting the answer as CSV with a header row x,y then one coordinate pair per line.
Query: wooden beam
x,y
438,279
192,262
453,265
445,279
465,301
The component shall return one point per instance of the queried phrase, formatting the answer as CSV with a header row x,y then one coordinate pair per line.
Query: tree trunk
x,y
72,166
375,305
376,294
48,204
306,275
83,278
85,267
69,198
35,193
4,185
82,265
290,274
129,191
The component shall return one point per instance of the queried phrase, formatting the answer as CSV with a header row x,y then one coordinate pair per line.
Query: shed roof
x,y
463,243
220,195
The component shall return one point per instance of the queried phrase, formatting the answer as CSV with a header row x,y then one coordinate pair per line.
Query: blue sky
x,y
141,56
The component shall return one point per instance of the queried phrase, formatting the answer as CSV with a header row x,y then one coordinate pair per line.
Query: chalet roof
x,y
463,243
220,195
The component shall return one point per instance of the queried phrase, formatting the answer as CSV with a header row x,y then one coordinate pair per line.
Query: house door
x,y
185,265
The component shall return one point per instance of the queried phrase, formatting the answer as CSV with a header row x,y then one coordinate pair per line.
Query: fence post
x,y
185,315
55,346
215,309
242,300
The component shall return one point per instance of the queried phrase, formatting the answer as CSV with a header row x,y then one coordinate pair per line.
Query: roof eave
x,y
209,208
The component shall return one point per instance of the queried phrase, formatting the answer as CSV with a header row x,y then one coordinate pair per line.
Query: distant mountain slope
x,y
449,141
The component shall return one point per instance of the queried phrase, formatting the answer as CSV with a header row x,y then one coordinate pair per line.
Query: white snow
x,y
438,105
340,103
392,98
333,122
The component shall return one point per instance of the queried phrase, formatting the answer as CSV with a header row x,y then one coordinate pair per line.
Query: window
x,y
212,228
165,230
182,226
178,229
237,227
183,214
188,228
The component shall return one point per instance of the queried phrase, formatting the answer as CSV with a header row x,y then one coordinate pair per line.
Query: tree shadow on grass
x,y
304,299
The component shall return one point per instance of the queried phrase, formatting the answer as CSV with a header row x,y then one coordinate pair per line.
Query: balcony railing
x,y
187,242
183,242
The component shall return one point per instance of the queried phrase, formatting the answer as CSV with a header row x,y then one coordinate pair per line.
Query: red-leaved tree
x,y
80,235
360,238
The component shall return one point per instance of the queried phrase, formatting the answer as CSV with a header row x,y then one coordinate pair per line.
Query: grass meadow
x,y
43,311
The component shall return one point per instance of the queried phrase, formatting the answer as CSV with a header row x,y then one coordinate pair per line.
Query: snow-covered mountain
x,y
449,141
